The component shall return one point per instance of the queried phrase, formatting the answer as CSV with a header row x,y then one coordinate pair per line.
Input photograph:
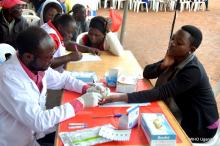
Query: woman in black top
x,y
183,80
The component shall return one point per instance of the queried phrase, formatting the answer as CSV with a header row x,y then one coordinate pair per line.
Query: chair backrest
x,y
31,19
199,1
5,51
28,12
184,1
79,37
216,89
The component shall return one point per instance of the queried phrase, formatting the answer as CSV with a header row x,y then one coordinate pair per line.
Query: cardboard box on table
x,y
126,84
157,130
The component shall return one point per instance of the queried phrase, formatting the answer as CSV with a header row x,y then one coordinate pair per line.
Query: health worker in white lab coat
x,y
24,80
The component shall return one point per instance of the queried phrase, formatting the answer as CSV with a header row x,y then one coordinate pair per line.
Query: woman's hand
x,y
167,62
75,56
114,98
94,51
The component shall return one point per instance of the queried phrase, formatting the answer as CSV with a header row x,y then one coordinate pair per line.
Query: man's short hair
x,y
77,8
196,34
28,41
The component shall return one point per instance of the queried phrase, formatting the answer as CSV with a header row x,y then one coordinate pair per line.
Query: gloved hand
x,y
104,91
90,99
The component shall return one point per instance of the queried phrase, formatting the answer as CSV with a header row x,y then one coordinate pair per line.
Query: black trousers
x,y
48,140
200,136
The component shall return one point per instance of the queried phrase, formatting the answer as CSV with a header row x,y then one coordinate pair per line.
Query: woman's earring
x,y
190,52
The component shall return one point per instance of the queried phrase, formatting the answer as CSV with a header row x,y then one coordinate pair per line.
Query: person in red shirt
x,y
61,29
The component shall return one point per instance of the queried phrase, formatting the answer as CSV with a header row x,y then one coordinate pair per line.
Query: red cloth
x,y
85,40
77,105
54,37
116,20
37,78
6,4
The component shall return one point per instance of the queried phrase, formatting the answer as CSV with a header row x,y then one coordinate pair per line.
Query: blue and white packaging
x,y
111,77
157,130
129,120
86,76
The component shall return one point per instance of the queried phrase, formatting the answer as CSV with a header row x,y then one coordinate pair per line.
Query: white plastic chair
x,y
4,50
28,12
120,2
183,4
216,89
113,3
172,4
31,19
30,5
98,4
80,36
215,141
137,4
164,4
160,4
198,4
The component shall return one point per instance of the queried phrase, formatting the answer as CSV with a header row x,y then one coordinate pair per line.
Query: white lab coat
x,y
22,106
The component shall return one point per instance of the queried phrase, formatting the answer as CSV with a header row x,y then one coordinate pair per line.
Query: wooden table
x,y
127,64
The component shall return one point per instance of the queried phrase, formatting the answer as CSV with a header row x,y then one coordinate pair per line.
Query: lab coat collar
x,y
18,67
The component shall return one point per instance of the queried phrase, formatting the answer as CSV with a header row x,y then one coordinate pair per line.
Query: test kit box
x,y
86,76
126,84
157,130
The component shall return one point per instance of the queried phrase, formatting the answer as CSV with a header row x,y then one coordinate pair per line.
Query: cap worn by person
x,y
6,4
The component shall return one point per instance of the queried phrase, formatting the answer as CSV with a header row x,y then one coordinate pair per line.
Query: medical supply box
x,y
86,76
126,84
157,130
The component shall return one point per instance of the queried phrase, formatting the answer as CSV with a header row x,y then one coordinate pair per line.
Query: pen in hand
x,y
77,52
94,51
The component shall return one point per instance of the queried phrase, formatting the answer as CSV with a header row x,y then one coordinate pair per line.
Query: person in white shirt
x,y
24,80
100,36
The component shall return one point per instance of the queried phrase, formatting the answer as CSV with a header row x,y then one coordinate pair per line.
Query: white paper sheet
x,y
123,104
87,57
84,137
113,134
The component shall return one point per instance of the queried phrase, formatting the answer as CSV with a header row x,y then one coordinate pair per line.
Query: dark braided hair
x,y
28,41
196,34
